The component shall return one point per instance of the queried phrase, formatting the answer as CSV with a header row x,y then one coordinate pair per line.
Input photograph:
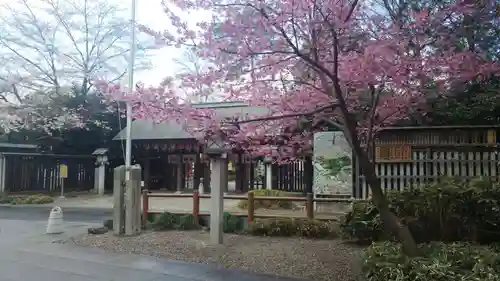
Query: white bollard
x,y
55,223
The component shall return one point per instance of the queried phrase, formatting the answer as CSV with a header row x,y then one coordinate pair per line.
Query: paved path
x,y
27,254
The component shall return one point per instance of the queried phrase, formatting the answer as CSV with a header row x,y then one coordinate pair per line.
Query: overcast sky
x,y
150,13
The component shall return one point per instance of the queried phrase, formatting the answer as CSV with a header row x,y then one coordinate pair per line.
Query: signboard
x,y
492,137
63,171
169,147
399,152
332,164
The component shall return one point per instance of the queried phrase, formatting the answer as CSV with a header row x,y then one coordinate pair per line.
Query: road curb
x,y
50,206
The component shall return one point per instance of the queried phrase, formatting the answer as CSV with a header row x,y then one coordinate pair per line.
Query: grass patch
x,y
36,199
292,227
270,204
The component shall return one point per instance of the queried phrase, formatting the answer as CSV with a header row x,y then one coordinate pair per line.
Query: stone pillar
x,y
269,173
3,188
96,178
133,201
219,185
119,200
100,174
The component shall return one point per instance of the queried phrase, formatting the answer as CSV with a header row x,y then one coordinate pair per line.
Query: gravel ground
x,y
293,257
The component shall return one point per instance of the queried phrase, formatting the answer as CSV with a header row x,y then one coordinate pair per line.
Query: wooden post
x,y
250,207
145,207
196,207
310,206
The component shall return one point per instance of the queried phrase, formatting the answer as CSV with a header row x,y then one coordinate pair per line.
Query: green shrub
x,y
232,223
362,223
169,221
448,211
268,204
36,199
384,261
165,221
293,227
186,222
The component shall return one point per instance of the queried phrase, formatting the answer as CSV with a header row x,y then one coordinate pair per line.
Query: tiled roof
x,y
149,130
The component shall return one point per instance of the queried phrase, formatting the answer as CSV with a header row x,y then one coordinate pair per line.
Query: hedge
x,y
452,210
384,261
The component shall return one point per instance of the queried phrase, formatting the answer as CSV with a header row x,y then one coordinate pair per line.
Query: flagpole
x,y
131,86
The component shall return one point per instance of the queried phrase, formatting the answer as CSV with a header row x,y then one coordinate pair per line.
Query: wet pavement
x,y
27,253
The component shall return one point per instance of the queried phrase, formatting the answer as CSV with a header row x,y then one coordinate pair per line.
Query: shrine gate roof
x,y
149,130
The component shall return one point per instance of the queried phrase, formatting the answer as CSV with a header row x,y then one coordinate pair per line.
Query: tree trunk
x,y
391,222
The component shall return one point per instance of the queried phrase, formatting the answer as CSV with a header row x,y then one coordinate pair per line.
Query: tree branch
x,y
270,118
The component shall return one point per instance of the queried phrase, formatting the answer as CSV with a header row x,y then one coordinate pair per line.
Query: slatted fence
x,y
37,172
412,156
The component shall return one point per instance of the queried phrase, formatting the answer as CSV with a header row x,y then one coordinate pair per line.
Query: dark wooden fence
x,y
296,176
257,175
36,172
108,179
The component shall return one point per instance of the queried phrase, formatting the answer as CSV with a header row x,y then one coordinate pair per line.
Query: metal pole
x,y
128,132
62,188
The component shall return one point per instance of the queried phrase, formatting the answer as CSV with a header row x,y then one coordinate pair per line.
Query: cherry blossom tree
x,y
315,65
40,111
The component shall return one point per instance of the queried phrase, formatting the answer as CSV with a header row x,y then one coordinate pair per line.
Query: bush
x,y
232,223
165,221
32,199
186,222
444,262
169,221
449,211
268,204
362,223
293,227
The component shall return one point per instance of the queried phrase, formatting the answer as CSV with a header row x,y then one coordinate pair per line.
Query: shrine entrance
x,y
169,165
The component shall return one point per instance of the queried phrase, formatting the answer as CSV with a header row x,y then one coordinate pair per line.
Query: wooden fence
x,y
37,172
412,156
309,201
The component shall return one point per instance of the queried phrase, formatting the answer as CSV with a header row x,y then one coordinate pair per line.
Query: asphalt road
x,y
28,254
39,213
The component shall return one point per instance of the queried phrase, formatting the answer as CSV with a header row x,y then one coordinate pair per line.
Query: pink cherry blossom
x,y
333,62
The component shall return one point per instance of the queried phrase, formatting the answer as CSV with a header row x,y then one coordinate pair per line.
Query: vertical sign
x,y
63,174
63,171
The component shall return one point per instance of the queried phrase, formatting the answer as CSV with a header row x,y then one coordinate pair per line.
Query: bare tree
x,y
50,44
191,65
